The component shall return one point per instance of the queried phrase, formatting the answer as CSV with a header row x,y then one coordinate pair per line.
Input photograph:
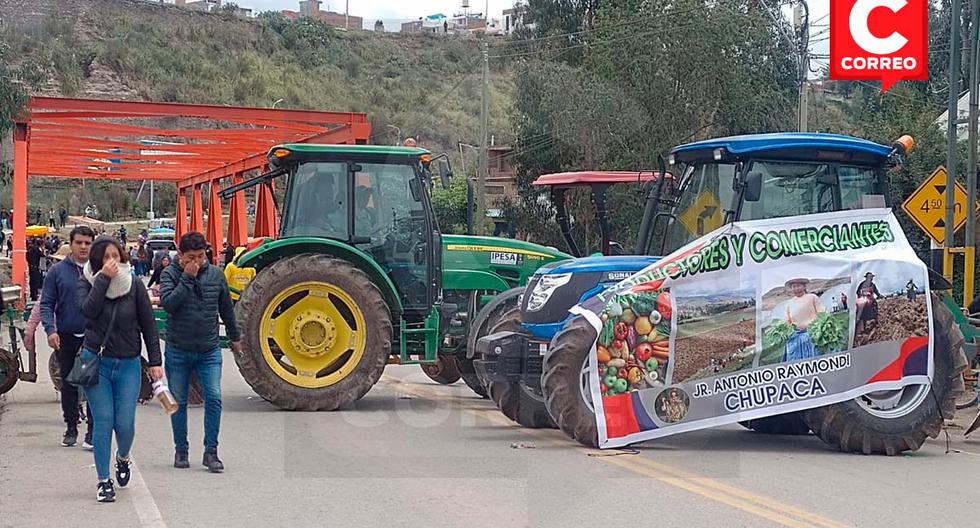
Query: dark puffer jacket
x,y
193,305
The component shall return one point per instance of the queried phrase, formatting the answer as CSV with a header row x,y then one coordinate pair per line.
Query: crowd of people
x,y
93,304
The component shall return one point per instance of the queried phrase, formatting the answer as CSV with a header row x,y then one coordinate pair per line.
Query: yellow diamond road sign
x,y
703,216
927,205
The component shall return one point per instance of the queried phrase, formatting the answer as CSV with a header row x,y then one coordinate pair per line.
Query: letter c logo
x,y
862,35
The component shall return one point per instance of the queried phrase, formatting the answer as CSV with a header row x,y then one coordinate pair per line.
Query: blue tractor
x,y
512,380
541,354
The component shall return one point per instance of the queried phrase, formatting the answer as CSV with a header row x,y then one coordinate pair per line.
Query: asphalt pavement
x,y
414,453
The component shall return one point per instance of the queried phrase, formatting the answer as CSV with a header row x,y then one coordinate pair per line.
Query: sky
x,y
386,10
395,11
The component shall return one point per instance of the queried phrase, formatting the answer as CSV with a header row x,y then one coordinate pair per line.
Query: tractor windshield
x,y
789,188
376,207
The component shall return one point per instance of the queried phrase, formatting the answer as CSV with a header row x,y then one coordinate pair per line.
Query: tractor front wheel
x,y
566,382
516,400
316,333
482,323
443,370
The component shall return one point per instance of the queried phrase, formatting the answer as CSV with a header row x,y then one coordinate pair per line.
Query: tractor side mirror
x,y
445,173
753,186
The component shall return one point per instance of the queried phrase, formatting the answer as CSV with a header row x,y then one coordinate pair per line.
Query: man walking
x,y
34,256
65,325
194,294
63,216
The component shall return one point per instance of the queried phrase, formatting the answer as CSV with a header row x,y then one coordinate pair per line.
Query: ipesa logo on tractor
x,y
879,39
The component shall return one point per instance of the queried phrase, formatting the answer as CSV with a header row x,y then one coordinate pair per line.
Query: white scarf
x,y
118,286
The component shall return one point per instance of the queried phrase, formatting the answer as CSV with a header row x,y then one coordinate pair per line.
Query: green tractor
x,y
360,276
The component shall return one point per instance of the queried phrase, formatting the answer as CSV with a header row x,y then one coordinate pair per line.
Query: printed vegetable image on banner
x,y
757,319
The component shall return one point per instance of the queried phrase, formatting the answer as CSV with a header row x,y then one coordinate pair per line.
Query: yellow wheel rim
x,y
313,334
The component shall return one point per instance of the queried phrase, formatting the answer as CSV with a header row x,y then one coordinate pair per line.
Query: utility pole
x,y
804,62
969,256
481,177
953,115
346,14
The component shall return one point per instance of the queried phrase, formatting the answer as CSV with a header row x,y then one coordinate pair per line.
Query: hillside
x,y
425,85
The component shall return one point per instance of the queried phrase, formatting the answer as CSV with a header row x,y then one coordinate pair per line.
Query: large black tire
x,y
9,371
342,275
783,424
444,370
515,399
562,379
481,324
849,427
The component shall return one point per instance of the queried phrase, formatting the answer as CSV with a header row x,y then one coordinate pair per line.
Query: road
x,y
417,454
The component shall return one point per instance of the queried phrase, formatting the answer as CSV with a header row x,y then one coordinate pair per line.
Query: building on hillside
x,y
437,23
201,5
379,26
311,8
501,174
511,21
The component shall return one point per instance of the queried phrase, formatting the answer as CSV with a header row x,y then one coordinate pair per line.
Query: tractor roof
x,y
568,179
791,145
353,150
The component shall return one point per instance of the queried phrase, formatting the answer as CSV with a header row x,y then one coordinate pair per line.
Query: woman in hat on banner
x,y
801,310
867,301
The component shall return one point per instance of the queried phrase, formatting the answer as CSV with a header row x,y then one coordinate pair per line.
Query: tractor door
x,y
391,219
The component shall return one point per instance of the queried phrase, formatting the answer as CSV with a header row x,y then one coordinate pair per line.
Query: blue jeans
x,y
179,364
113,405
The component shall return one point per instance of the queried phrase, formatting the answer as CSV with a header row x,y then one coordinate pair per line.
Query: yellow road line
x,y
762,506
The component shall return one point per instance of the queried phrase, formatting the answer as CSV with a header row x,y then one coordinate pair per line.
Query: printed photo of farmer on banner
x,y
803,318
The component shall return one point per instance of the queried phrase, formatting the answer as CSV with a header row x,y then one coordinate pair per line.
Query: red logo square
x,y
879,39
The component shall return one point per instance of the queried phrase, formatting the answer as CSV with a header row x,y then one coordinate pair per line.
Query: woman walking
x,y
119,314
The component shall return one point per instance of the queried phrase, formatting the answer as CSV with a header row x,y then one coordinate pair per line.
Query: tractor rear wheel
x,y
890,422
516,400
316,333
443,371
481,325
567,379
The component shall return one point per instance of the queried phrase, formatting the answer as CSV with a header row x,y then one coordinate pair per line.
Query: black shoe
x,y
87,442
122,471
106,493
212,463
70,438
180,460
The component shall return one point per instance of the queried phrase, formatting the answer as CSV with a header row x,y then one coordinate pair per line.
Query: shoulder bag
x,y
86,373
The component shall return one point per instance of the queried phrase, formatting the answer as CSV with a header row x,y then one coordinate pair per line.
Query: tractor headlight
x,y
545,288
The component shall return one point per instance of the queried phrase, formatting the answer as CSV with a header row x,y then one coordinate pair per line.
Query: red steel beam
x,y
339,135
215,229
19,199
197,210
122,108
237,226
181,221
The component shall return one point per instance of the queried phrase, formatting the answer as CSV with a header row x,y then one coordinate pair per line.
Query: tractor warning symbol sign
x,y
927,205
704,215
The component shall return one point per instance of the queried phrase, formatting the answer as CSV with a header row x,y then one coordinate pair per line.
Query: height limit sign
x,y
927,205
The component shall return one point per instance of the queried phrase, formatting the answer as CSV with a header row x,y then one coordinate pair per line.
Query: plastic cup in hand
x,y
164,396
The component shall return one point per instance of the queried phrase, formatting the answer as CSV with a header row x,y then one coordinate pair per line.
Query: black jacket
x,y
193,305
134,319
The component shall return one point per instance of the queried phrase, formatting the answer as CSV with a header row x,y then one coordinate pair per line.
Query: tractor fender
x,y
458,279
938,282
274,251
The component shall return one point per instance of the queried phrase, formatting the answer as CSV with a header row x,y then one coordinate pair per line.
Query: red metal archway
x,y
192,146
